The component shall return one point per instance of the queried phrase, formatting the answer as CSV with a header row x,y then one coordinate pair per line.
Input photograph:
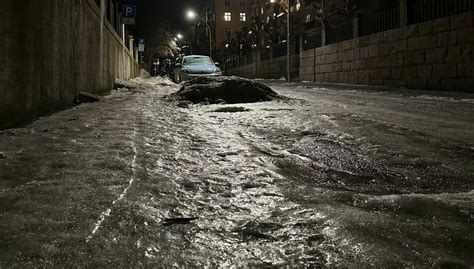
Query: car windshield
x,y
197,60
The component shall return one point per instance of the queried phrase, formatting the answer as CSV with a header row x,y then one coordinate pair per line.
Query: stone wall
x,y
435,55
273,68
50,51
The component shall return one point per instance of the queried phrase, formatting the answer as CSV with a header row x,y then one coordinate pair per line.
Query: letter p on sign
x,y
129,13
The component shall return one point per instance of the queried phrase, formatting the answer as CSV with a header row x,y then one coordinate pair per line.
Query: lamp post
x,y
288,41
192,16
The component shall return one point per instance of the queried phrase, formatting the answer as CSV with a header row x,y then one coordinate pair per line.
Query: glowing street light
x,y
191,15
179,36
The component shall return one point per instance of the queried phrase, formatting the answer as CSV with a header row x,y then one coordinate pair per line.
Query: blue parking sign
x,y
129,13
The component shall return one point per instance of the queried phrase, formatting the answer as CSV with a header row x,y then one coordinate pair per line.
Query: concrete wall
x,y
52,49
435,55
273,68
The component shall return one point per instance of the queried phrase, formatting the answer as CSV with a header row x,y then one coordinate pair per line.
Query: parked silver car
x,y
192,66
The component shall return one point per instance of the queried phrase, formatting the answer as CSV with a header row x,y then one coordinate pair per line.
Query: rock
x,y
231,90
2,156
86,97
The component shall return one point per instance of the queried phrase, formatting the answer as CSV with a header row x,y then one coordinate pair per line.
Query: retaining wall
x,y
50,51
273,68
435,55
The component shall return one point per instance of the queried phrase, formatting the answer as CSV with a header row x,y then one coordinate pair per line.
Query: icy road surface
x,y
335,177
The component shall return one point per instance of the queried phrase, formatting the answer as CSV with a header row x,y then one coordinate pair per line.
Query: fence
x,y
379,22
312,41
339,33
425,10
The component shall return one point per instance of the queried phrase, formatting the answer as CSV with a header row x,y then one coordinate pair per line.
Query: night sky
x,y
171,12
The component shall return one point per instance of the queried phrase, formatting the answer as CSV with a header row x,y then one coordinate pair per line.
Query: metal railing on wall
x,y
312,41
425,10
279,50
339,33
379,22
265,54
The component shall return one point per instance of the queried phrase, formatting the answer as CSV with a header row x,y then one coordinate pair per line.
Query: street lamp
x,y
179,36
288,41
191,15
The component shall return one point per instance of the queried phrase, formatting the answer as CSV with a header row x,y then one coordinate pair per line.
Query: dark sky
x,y
171,12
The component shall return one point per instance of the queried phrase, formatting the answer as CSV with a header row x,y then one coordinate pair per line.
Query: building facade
x,y
225,17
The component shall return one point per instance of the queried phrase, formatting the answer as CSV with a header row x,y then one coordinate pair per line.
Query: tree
x,y
335,13
160,43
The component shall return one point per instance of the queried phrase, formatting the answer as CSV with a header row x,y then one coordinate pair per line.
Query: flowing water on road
x,y
330,178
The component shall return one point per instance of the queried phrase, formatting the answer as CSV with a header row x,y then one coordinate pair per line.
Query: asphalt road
x,y
334,177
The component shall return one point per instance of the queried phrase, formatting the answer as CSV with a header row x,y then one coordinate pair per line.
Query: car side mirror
x,y
217,64
177,65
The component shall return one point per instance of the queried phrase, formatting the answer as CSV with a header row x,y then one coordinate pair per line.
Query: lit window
x,y
272,1
298,5
261,10
308,17
243,17
227,16
227,3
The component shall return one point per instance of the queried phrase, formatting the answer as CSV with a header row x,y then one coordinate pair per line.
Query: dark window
x,y
227,3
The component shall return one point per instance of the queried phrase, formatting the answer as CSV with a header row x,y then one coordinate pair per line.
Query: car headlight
x,y
218,70
186,71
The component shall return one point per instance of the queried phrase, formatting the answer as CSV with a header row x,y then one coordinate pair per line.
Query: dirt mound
x,y
231,90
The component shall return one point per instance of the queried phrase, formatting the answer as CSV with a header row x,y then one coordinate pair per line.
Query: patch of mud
x,y
231,90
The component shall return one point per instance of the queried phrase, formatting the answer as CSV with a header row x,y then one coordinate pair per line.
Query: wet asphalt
x,y
335,176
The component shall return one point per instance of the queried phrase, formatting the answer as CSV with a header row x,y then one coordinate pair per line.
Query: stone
x,y
398,46
445,70
426,28
415,57
86,97
384,49
447,38
373,51
466,53
462,21
396,73
376,38
414,43
465,36
454,54
411,31
429,41
441,25
425,71
421,84
410,72
437,55
466,70
393,35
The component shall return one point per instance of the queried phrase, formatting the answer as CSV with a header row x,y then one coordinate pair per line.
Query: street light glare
x,y
179,36
191,14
